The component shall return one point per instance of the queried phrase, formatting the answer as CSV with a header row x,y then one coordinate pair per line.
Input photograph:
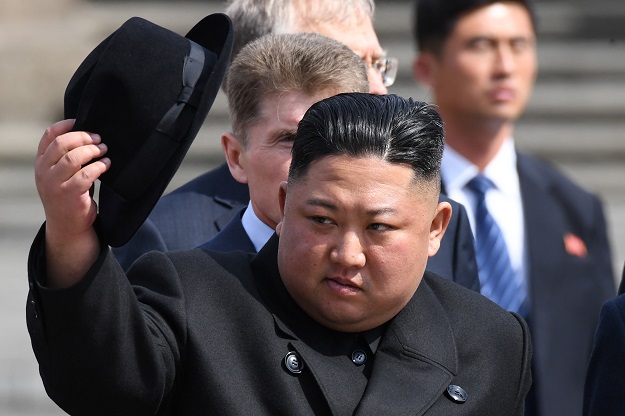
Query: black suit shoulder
x,y
462,304
604,392
218,183
563,188
188,216
198,210
232,238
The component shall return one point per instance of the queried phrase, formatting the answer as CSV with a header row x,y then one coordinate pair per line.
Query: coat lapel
x,y
415,361
544,231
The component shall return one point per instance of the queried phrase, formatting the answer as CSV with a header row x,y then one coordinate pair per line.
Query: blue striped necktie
x,y
497,278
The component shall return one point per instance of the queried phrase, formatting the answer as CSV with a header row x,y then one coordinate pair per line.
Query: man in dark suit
x,y
604,393
554,266
336,315
194,213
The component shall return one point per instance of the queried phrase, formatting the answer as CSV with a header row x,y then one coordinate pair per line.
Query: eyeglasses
x,y
387,67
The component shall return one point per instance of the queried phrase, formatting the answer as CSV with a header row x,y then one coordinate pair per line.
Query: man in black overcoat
x,y
336,315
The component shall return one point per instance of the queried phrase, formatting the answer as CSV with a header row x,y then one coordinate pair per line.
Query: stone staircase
x,y
576,112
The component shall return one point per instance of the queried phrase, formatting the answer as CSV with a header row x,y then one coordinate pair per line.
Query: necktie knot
x,y
480,184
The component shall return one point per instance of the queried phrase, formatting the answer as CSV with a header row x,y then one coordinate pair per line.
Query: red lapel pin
x,y
574,245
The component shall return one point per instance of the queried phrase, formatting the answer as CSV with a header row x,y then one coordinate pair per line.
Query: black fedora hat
x,y
146,91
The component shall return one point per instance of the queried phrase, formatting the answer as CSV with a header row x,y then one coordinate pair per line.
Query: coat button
x,y
359,357
457,393
293,363
34,305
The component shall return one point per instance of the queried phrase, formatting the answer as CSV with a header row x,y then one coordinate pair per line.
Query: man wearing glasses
x,y
217,203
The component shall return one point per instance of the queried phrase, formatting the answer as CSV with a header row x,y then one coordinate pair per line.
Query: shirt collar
x,y
258,232
457,171
502,169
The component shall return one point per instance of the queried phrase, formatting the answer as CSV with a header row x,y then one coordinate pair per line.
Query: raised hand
x,y
64,176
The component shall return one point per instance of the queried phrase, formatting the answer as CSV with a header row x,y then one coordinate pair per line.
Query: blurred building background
x,y
576,119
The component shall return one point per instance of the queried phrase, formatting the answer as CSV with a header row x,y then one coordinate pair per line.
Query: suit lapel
x,y
230,209
415,361
233,237
543,232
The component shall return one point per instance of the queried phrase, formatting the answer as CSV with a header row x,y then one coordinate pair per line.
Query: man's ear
x,y
282,202
438,227
423,68
234,152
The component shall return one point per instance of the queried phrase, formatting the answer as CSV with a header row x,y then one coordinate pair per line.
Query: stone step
x,y
62,41
573,19
580,60
581,83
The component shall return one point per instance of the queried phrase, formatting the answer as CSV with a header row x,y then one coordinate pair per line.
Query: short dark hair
x,y
436,19
395,129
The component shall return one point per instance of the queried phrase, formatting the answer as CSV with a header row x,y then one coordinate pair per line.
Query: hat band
x,y
157,150
191,72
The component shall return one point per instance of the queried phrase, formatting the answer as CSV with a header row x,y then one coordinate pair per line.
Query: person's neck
x,y
478,141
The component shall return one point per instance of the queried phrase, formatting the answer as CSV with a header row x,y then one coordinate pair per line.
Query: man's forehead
x,y
357,33
492,19
290,105
373,169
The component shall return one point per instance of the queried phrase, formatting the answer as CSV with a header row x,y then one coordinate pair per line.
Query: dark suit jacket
x,y
566,290
232,238
196,212
196,333
188,216
604,394
621,288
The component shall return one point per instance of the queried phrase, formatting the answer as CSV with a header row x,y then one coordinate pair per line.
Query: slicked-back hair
x,y
388,127
255,18
436,19
306,63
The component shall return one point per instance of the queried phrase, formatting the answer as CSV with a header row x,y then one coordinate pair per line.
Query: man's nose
x,y
349,251
505,60
376,85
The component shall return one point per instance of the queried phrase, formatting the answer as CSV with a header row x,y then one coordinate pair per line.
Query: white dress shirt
x,y
257,231
503,201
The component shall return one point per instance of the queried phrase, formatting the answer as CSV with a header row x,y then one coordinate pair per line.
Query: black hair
x,y
395,129
436,19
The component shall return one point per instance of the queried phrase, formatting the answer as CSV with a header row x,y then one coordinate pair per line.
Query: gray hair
x,y
255,18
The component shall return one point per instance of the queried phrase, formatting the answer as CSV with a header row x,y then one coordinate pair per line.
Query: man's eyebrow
x,y
328,205
316,202
282,133
381,211
285,132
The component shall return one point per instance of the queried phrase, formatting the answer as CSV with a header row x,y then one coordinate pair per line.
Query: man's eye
x,y
321,220
287,138
379,227
520,45
480,44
